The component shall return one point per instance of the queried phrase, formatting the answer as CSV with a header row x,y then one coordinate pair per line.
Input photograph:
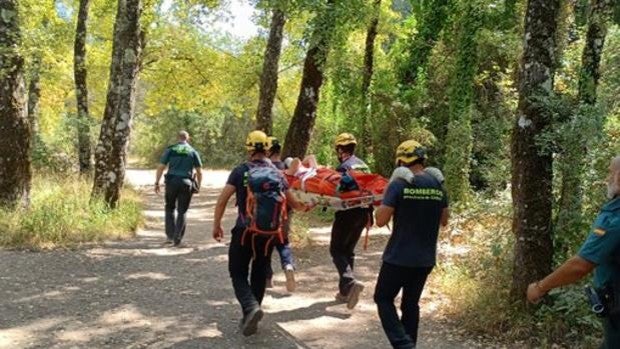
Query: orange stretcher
x,y
323,188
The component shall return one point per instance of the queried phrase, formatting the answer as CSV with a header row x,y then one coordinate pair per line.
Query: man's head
x,y
345,145
256,143
183,136
410,153
273,146
613,179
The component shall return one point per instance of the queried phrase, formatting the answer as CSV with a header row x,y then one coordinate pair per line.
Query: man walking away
x,y
248,248
284,249
180,159
601,253
418,208
348,227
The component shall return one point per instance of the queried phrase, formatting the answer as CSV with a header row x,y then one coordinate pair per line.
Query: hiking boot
x,y
289,273
340,298
269,283
250,322
179,244
354,294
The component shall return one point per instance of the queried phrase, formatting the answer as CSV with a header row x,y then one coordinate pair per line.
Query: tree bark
x,y
15,163
459,140
574,162
269,77
81,89
369,60
531,161
304,117
431,24
34,96
111,151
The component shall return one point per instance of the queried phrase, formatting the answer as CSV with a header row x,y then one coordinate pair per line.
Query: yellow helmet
x,y
256,141
410,151
272,142
345,139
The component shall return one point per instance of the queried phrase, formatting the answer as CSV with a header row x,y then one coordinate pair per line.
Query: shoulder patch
x,y
599,231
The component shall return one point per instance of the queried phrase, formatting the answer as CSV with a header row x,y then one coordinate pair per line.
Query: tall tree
x,y
459,141
15,165
300,130
369,60
111,151
269,77
531,160
432,21
81,88
573,164
34,96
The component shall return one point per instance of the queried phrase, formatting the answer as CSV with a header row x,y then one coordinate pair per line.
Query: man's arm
x,y
570,272
383,215
220,208
199,176
160,171
445,216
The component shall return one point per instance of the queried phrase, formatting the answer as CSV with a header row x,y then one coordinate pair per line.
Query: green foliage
x,y
61,215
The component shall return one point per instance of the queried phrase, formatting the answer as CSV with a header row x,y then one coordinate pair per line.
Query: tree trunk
x,y
302,123
110,154
369,60
269,77
81,89
459,140
34,95
15,166
532,174
431,24
573,161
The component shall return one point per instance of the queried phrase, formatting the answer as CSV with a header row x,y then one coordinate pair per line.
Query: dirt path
x,y
137,294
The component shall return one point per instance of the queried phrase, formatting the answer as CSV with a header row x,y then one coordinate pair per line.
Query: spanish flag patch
x,y
599,231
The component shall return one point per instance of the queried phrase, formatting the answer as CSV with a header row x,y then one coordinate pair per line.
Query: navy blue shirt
x,y
353,163
239,179
181,159
417,214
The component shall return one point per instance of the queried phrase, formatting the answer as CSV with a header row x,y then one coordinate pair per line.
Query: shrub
x,y
61,215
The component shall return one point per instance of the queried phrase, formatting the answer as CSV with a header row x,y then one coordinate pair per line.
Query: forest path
x,y
138,294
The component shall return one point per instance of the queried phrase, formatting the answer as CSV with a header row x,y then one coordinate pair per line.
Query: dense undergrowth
x,y
61,214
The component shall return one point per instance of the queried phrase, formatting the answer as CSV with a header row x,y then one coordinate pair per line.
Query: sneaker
x,y
340,298
250,322
178,244
354,294
269,283
167,242
289,273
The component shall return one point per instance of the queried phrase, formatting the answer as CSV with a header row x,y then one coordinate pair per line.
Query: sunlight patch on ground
x,y
210,332
151,276
56,295
24,336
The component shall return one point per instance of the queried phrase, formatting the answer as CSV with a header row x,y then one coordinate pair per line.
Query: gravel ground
x,y
138,294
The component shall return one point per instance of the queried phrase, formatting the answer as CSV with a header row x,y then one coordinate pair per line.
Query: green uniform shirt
x,y
181,159
603,244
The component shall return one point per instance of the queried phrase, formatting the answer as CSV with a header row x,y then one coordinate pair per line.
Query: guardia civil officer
x,y
601,253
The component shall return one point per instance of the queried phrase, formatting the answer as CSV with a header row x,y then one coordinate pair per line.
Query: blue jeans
x,y
402,333
250,292
286,257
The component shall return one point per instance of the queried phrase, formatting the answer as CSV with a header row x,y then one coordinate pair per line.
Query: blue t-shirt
x,y
239,179
602,247
181,159
417,214
353,163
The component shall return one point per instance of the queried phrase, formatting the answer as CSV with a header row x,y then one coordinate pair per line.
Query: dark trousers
x,y
178,197
346,231
611,328
249,293
286,256
402,333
